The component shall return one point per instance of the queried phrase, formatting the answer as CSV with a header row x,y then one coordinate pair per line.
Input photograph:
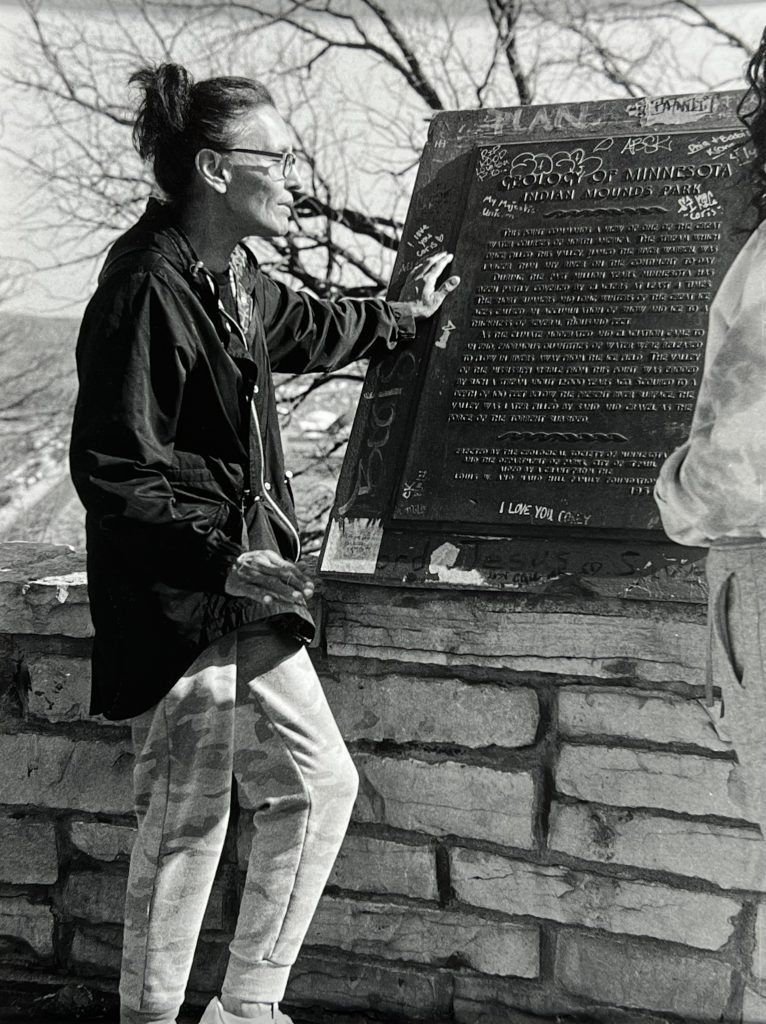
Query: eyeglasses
x,y
286,160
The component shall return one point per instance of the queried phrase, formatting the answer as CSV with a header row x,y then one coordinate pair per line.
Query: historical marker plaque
x,y
527,426
569,365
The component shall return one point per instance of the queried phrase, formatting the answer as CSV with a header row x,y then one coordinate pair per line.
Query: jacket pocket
x,y
195,489
209,512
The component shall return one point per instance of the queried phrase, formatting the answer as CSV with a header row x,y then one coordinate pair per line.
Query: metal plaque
x,y
565,369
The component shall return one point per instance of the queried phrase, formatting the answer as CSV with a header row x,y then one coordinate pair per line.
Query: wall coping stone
x,y
43,590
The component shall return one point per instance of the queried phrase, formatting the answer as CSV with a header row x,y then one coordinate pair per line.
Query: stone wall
x,y
547,823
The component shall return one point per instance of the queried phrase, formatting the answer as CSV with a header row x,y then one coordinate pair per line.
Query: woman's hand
x,y
265,576
419,295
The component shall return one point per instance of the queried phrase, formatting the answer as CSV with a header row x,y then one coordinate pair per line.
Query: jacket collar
x,y
156,231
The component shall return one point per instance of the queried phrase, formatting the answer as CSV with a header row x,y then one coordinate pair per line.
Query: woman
x,y
712,491
199,609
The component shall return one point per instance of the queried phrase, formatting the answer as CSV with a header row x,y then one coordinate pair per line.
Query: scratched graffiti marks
x,y
444,334
677,110
532,565
493,206
696,207
383,397
433,202
426,241
647,144
569,166
727,145
491,162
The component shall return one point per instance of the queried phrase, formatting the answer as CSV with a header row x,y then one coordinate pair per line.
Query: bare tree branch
x,y
417,77
706,21
505,15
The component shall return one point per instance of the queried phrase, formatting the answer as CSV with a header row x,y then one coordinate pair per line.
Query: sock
x,y
234,1011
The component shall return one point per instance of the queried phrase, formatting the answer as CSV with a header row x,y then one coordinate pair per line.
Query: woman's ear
x,y
213,169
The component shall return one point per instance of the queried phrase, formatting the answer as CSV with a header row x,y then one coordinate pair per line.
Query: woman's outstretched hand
x,y
419,295
266,577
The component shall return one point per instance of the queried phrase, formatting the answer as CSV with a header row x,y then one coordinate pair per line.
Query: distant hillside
x,y
37,391
39,386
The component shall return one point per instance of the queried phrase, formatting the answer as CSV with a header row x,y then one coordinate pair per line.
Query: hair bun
x,y
164,109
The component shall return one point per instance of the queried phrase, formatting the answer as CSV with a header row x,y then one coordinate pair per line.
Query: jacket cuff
x,y
222,554
404,323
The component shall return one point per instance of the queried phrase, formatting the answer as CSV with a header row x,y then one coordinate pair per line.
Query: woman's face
x,y
259,197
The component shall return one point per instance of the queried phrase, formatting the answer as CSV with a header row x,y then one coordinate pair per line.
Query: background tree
x,y
358,80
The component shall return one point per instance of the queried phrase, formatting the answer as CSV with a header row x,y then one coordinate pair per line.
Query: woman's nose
x,y
293,179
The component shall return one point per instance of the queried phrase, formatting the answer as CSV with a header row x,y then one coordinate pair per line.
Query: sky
x,y
64,292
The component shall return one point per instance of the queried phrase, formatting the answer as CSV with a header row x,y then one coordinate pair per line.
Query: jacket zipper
x,y
264,492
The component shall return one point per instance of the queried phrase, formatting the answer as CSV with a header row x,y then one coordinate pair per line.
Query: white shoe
x,y
215,1014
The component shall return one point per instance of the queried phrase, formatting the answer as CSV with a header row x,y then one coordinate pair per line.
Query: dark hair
x,y
752,113
177,117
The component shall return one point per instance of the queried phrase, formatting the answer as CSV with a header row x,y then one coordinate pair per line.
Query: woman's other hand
x,y
266,577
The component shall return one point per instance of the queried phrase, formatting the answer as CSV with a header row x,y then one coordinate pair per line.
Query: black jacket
x,y
176,453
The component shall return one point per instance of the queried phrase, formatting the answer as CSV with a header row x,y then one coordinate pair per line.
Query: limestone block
x,y
101,840
759,950
96,951
447,798
59,687
380,866
43,590
397,990
636,715
482,999
455,631
53,771
630,975
28,853
426,936
595,901
98,897
753,1007
732,857
26,929
640,778
412,709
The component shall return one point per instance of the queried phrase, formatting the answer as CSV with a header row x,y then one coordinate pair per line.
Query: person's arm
x,y
714,485
134,354
306,334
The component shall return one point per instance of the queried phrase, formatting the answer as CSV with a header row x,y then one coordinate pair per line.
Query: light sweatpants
x,y
736,574
275,734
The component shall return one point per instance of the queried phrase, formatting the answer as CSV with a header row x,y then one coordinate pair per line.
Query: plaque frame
x,y
365,541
